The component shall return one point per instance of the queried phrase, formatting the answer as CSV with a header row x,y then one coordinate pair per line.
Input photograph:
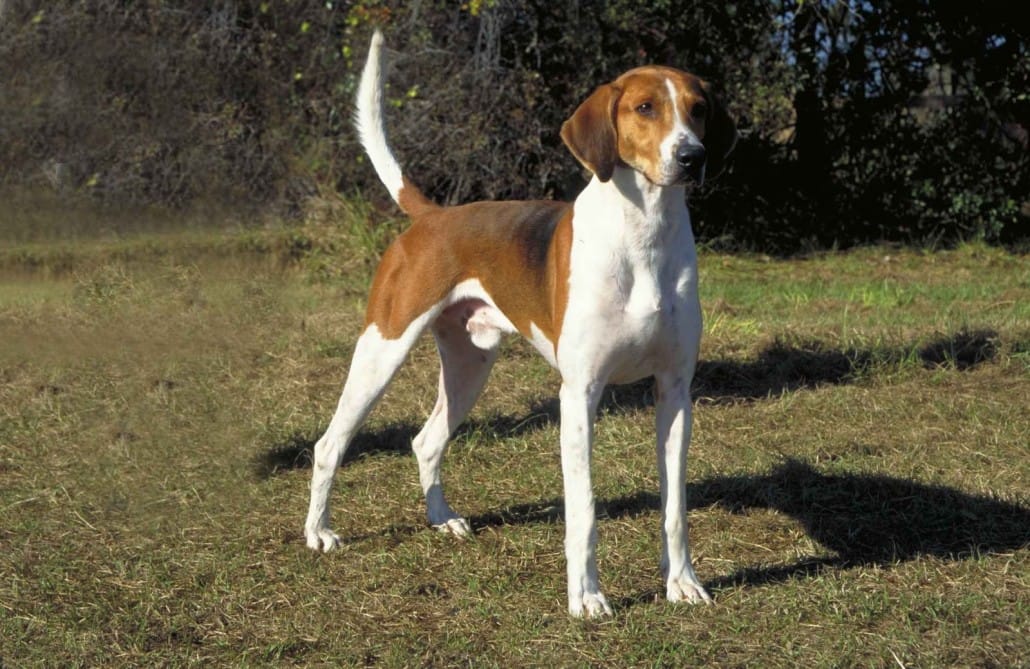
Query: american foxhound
x,y
604,288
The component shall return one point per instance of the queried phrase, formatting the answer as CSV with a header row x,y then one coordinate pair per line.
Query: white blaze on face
x,y
679,133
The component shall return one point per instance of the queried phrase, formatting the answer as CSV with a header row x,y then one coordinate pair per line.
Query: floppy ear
x,y
720,133
590,132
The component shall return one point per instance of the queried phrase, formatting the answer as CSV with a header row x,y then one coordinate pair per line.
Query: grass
x,y
858,477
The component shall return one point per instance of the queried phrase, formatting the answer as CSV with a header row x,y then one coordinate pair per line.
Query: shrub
x,y
248,104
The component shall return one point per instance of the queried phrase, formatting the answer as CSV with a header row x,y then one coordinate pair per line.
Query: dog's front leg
x,y
674,424
578,408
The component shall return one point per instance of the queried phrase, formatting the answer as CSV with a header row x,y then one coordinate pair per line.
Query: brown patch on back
x,y
407,283
519,252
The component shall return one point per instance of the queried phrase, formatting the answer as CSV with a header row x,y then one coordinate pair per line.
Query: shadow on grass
x,y
295,452
860,519
786,367
863,519
779,368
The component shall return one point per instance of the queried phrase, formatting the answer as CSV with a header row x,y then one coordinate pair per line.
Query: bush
x,y
248,104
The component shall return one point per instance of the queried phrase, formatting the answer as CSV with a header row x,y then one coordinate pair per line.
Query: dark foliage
x,y
904,120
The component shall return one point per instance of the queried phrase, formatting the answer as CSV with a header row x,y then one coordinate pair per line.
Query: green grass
x,y
858,476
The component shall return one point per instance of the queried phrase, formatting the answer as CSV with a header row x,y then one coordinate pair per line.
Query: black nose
x,y
691,157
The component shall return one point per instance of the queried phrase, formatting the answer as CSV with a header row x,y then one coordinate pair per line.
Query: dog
x,y
605,288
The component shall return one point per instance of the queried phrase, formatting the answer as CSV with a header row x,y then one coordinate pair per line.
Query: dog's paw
x,y
443,518
590,605
322,539
457,526
686,589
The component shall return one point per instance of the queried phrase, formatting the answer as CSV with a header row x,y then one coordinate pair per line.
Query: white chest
x,y
633,305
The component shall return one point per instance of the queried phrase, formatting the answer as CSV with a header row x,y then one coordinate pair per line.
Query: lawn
x,y
858,479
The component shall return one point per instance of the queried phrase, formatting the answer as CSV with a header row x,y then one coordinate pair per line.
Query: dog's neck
x,y
651,213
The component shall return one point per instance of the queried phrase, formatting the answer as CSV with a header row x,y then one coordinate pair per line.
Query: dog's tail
x,y
368,117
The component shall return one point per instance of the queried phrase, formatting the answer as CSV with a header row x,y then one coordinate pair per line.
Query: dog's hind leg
x,y
465,363
376,360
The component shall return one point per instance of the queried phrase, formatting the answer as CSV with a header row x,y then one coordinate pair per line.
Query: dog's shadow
x,y
295,452
777,369
860,519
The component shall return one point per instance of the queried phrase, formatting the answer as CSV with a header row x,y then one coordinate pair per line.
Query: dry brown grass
x,y
858,476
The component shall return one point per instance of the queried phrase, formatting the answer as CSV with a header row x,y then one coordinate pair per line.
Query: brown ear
x,y
590,132
720,133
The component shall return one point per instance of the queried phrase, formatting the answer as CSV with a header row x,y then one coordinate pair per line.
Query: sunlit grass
x,y
858,470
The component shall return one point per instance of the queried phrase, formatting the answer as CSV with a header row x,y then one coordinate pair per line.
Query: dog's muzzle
x,y
690,157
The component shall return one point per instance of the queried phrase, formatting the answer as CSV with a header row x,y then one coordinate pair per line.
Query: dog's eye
x,y
699,111
645,109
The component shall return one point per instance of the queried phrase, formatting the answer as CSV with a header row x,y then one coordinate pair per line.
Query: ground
x,y
857,479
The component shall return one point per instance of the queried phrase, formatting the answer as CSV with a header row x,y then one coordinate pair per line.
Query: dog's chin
x,y
694,178
693,182
690,179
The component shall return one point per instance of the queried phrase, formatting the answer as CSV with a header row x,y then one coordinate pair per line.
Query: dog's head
x,y
664,123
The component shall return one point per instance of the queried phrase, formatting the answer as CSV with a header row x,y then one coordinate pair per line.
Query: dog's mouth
x,y
673,174
691,177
